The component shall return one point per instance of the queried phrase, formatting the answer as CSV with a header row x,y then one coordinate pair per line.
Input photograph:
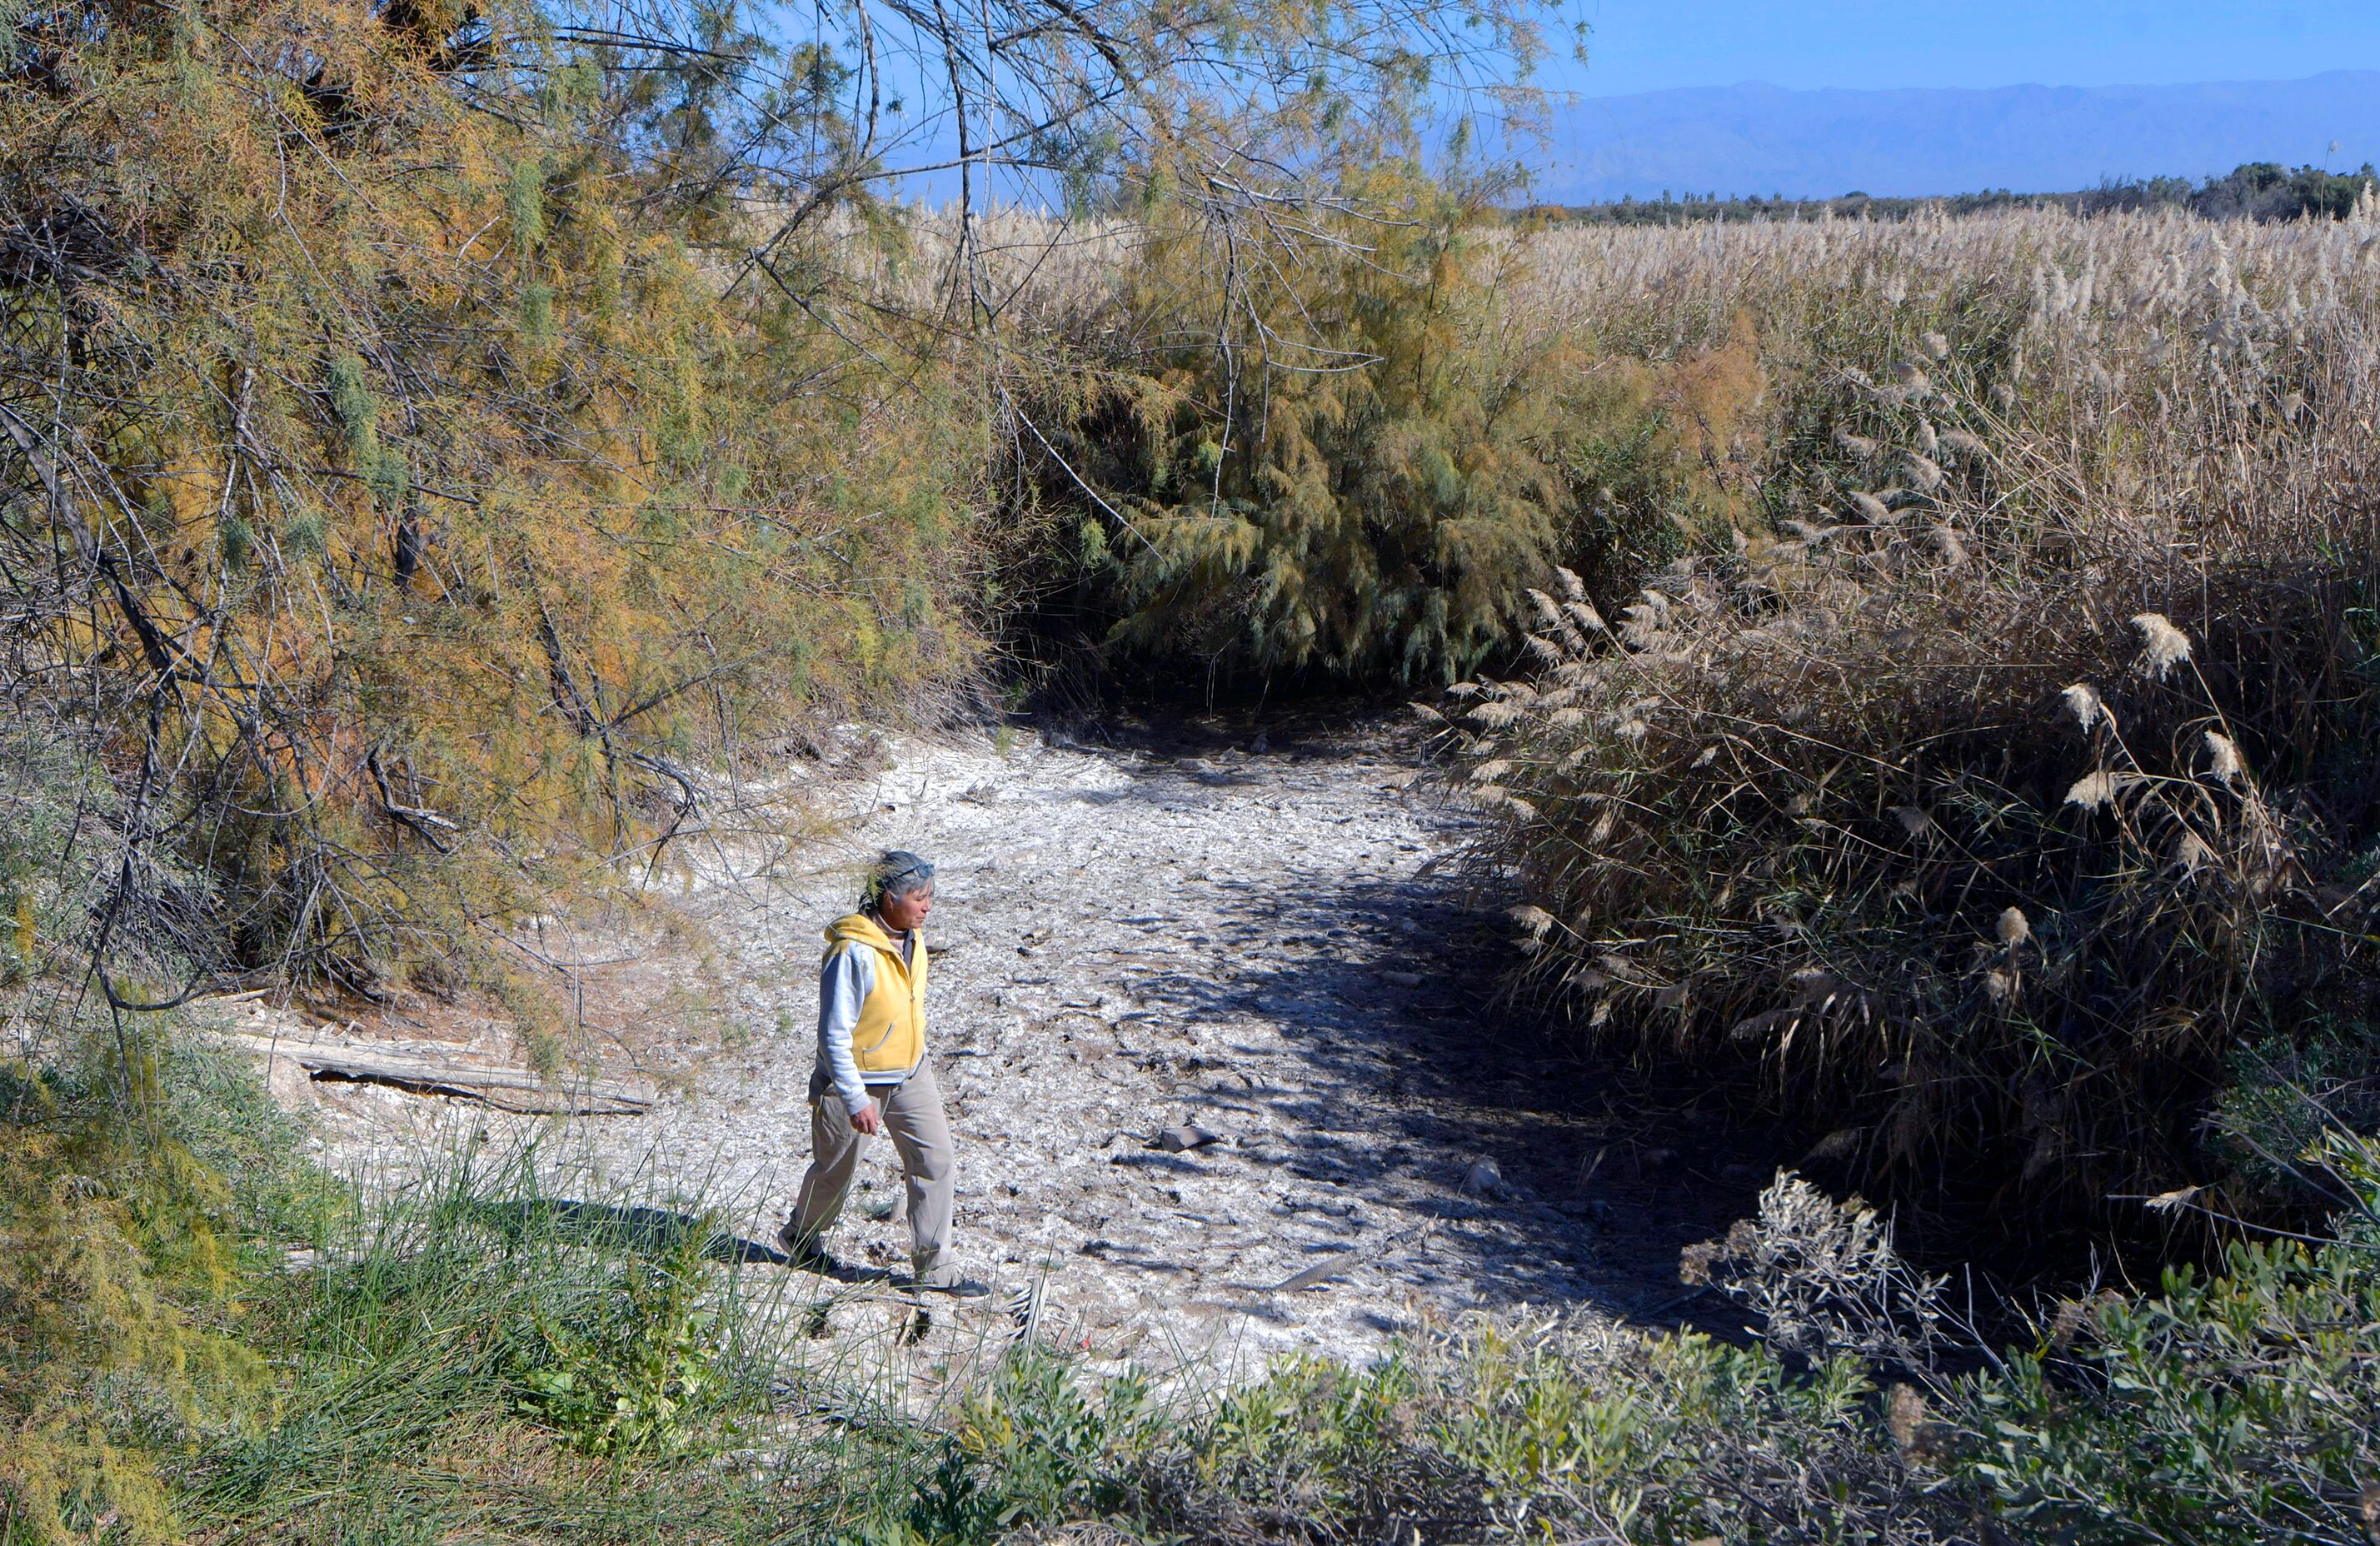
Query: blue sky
x,y
1641,45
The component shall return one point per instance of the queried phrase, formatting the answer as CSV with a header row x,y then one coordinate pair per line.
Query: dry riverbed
x,y
1253,935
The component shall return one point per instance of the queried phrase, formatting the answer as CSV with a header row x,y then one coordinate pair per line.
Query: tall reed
x,y
1999,775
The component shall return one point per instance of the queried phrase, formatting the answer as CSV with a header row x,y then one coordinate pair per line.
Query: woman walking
x,y
873,1076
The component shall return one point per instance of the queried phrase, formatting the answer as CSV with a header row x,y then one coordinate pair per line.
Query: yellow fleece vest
x,y
890,1035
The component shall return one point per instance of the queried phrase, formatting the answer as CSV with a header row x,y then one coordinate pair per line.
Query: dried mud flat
x,y
1259,937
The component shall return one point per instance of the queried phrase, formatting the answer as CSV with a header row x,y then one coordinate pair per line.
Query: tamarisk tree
x,y
436,437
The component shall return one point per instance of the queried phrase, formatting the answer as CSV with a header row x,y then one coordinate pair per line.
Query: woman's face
x,y
908,909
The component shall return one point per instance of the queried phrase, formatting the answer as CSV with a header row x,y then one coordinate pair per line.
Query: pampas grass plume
x,y
2167,645
1963,446
1533,920
2093,790
2225,755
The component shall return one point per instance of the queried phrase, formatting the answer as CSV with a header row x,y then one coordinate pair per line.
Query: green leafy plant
x,y
638,1367
2236,1407
1043,1443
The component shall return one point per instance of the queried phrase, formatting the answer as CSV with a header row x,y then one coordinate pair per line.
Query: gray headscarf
x,y
896,874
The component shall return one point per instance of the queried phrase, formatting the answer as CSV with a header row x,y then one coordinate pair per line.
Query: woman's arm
x,y
845,983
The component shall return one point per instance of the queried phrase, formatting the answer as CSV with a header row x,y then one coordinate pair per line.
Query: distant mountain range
x,y
1761,139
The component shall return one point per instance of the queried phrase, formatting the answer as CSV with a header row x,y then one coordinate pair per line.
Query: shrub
x,y
2234,1406
1039,1442
119,1279
1490,1431
1356,476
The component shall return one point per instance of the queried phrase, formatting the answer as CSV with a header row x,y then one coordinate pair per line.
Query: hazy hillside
x,y
1760,138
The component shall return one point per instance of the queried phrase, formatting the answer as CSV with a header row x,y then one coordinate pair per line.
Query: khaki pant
x,y
920,1133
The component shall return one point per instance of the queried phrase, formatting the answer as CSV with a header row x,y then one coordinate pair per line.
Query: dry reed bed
x,y
1040,275
1642,288
1998,777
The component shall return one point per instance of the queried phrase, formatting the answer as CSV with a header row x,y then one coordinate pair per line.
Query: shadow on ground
x,y
1542,1175
620,1226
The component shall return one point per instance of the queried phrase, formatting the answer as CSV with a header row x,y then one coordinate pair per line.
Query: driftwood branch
x,y
513,1089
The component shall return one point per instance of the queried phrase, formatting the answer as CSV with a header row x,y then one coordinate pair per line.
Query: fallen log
x,y
511,1089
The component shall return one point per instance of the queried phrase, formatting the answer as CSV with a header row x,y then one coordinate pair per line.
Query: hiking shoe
x,y
949,1282
807,1256
810,1256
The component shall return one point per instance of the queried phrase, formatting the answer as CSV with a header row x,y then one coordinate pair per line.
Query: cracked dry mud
x,y
1260,940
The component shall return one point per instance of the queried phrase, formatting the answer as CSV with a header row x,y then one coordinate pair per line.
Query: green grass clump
x,y
202,1336
472,1343
474,1359
2239,1406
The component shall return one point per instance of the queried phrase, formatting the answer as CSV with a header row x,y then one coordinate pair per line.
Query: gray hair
x,y
896,873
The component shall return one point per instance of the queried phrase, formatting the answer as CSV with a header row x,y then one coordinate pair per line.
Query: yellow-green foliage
x,y
1350,453
1337,459
427,488
118,1350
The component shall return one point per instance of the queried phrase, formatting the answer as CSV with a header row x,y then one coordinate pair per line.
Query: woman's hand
x,y
867,1119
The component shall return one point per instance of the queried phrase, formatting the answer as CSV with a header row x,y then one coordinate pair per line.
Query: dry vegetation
x,y
1932,680
1986,777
